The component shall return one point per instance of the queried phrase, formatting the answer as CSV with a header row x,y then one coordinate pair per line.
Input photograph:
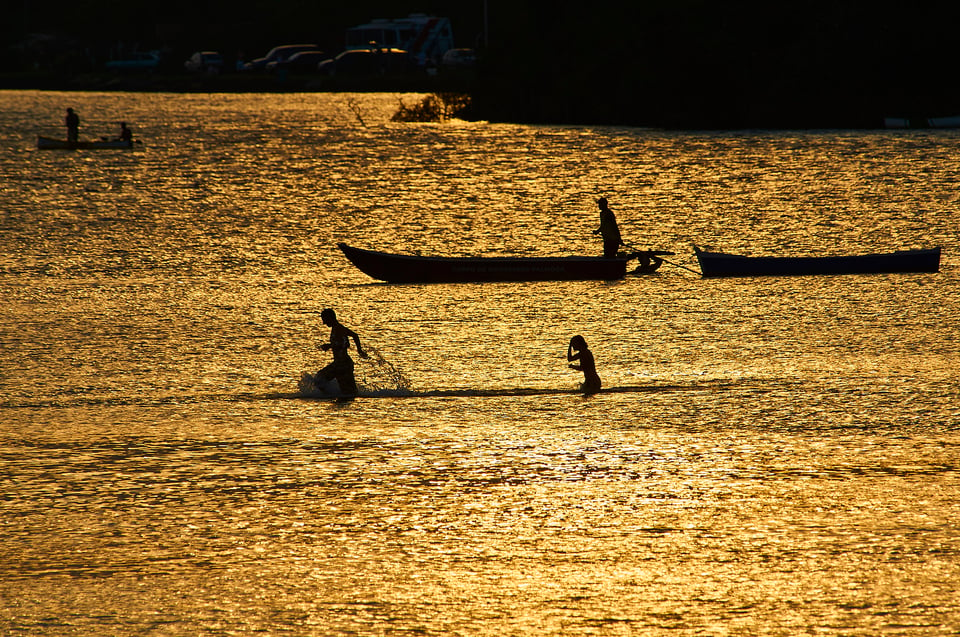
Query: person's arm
x,y
571,356
356,341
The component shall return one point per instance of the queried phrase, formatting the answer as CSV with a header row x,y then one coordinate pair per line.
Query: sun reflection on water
x,y
772,456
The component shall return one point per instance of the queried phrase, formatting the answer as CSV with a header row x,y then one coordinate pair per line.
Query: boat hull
x,y
48,143
397,268
715,264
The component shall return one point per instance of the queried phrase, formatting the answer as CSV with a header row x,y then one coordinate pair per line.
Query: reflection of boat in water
x,y
716,264
48,143
402,268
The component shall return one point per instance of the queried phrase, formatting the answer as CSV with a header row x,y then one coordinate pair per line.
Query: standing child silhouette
x,y
577,350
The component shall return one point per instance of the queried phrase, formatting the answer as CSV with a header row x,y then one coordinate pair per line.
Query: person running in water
x,y
341,368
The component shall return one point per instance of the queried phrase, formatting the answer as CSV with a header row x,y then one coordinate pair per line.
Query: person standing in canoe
x,y
341,368
73,126
577,350
608,229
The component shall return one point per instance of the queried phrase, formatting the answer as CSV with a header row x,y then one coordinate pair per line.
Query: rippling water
x,y
776,456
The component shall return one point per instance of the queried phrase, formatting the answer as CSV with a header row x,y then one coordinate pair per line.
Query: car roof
x,y
285,47
350,52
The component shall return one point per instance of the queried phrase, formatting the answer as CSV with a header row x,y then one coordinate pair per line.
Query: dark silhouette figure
x,y
73,126
341,368
577,350
647,262
126,135
608,229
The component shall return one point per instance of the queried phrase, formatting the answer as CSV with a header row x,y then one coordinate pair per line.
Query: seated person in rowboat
x,y
341,368
578,350
126,135
647,261
608,229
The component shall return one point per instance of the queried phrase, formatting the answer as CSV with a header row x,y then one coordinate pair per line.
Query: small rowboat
x,y
48,143
716,264
402,268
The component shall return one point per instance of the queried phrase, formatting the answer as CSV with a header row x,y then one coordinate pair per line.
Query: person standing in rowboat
x,y
608,229
577,350
73,126
342,366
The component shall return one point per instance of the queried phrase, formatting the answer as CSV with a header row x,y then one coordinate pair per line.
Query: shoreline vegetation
x,y
434,107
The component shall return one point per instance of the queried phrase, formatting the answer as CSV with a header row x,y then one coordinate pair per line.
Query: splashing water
x,y
378,376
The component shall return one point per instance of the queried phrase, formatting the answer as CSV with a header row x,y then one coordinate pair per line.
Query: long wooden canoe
x,y
402,268
717,264
48,143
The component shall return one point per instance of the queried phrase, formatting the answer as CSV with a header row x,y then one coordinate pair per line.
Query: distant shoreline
x,y
233,83
501,104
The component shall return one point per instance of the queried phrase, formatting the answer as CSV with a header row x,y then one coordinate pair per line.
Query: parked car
x,y
204,62
461,58
148,61
361,62
278,54
302,62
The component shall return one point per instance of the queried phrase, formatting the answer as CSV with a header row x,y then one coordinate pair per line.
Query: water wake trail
x,y
523,391
366,392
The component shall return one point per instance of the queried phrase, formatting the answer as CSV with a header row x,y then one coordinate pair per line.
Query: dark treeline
x,y
722,64
679,63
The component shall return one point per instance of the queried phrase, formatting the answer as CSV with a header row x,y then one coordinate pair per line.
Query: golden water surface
x,y
776,456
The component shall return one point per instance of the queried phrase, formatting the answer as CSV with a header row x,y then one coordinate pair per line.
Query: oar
x,y
677,265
